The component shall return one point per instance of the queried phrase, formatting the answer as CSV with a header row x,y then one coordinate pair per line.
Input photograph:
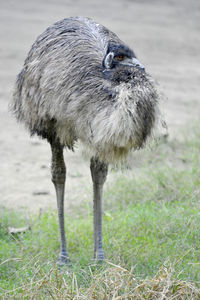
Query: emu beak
x,y
136,63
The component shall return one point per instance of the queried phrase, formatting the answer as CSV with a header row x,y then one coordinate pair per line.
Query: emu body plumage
x,y
81,82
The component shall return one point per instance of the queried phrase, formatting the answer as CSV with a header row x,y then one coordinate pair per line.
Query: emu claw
x,y
63,260
99,257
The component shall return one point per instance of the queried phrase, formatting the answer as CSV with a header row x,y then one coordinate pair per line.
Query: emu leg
x,y
99,172
58,171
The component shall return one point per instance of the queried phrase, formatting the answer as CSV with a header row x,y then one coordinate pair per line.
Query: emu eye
x,y
119,57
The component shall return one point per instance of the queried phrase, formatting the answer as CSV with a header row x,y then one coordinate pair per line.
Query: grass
x,y
151,227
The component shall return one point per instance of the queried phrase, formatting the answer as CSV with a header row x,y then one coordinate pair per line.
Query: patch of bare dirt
x,y
165,37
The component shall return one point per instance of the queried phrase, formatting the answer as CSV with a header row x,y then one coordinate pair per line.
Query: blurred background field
x,y
165,37
151,212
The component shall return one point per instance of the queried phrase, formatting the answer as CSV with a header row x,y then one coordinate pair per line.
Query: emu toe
x,y
63,260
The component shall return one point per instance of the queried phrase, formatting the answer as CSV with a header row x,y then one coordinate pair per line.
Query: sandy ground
x,y
165,36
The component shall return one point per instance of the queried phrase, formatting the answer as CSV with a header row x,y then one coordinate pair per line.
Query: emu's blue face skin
x,y
120,64
120,55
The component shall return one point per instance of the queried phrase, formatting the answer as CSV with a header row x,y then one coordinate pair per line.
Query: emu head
x,y
134,106
120,55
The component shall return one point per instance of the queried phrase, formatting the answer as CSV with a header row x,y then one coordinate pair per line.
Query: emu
x,y
81,82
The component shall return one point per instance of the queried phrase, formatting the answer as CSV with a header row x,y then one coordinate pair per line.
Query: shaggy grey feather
x,y
81,82
63,91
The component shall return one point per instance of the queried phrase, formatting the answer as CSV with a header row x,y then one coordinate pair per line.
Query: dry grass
x,y
155,220
114,282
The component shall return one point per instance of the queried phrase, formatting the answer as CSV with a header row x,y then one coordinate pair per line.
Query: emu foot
x,y
99,256
63,260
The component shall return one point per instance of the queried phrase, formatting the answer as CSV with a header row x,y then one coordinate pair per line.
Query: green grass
x,y
151,235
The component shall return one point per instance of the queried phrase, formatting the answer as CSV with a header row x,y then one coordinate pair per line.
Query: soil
x,y
166,38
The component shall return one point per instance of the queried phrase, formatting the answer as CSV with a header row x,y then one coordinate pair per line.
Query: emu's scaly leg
x,y
58,171
99,172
